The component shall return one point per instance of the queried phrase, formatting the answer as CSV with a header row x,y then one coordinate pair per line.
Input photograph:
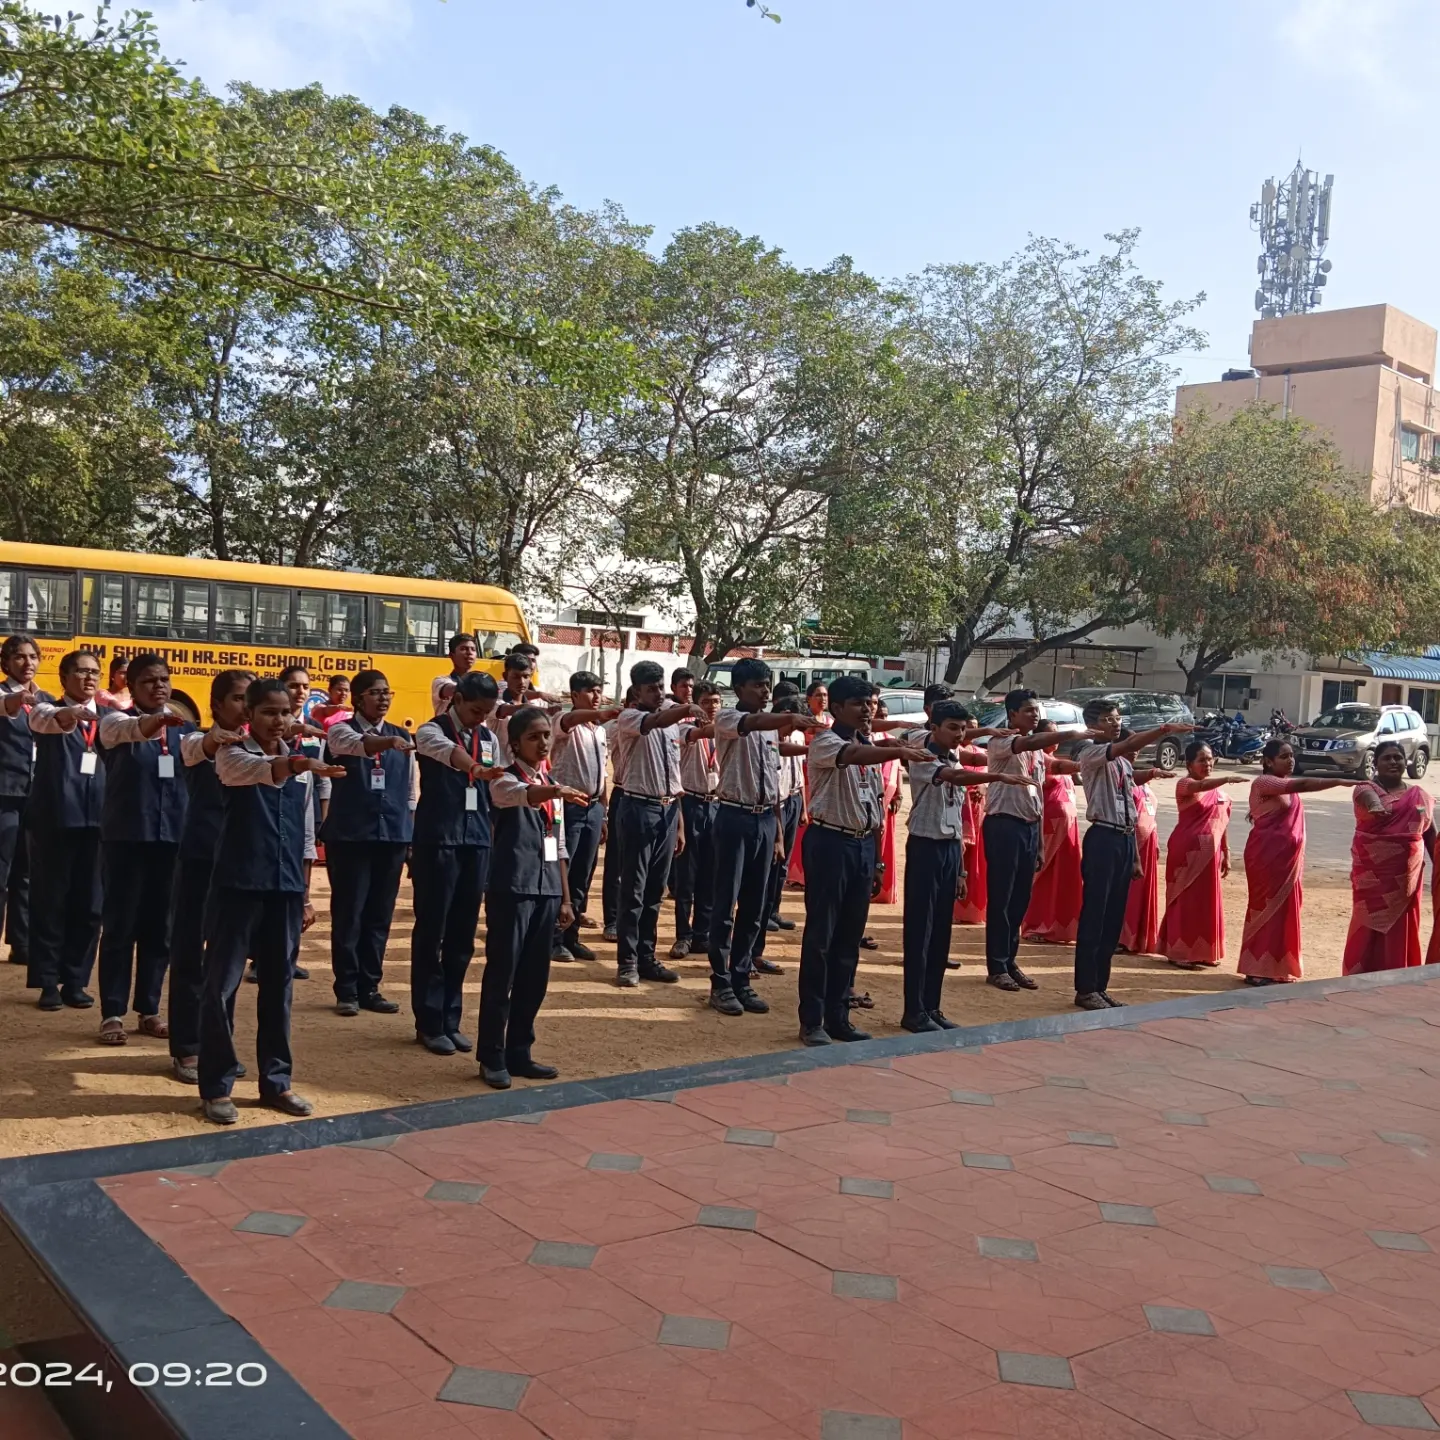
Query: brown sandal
x,y
112,1032
154,1027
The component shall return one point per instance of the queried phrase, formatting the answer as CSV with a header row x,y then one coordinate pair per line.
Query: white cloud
x,y
281,43
1369,45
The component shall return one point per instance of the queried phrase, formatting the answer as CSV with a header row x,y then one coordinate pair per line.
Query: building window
x,y
1409,444
1336,692
1427,702
1227,693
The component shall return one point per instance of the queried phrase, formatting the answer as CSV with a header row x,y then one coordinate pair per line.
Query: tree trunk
x,y
962,642
1205,664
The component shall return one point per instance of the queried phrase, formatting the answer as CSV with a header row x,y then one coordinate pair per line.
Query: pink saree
x,y
1193,932
1274,869
1054,912
1386,874
1140,933
971,910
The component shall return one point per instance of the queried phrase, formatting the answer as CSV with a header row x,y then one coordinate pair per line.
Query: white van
x,y
801,670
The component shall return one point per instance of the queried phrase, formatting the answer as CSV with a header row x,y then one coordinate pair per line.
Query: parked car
x,y
991,713
904,702
1142,710
1344,740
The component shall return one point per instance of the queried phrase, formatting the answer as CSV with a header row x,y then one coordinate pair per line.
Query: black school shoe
x,y
528,1069
844,1030
76,999
654,970
1022,979
941,1023
300,973
765,966
379,1004
1111,1001
436,1044
724,1000
781,923
1091,1000
750,1001
581,952
496,1077
920,1024
50,998
463,1043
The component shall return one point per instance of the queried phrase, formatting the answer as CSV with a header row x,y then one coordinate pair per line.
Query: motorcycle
x,y
1230,738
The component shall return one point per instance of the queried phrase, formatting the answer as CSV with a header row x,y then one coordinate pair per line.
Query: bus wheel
x,y
182,704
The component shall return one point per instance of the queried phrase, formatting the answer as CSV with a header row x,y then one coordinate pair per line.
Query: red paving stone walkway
x,y
1199,1228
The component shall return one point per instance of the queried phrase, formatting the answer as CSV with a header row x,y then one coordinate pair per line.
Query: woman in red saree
x,y
1054,913
1275,867
817,701
1140,933
970,910
1394,831
891,776
1197,859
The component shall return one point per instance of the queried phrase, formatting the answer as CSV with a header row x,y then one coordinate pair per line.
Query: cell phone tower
x,y
1293,218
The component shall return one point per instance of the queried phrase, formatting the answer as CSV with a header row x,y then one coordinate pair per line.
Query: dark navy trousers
x,y
15,879
647,846
519,934
263,925
583,824
610,876
138,878
839,873
1012,847
190,895
364,884
448,885
932,872
744,857
65,906
693,875
1107,865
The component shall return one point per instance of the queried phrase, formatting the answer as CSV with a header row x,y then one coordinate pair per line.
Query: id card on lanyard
x,y
479,755
554,815
377,770
89,759
165,759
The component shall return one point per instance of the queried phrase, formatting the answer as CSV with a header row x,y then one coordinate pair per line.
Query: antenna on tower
x,y
1293,218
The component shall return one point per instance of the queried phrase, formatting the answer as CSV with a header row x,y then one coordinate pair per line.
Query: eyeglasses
x,y
378,694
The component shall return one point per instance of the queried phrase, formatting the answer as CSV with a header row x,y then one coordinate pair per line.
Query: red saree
x,y
1193,932
1141,932
1386,873
1274,870
1054,912
795,872
889,892
971,910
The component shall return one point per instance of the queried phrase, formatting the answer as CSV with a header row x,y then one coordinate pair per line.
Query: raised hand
x,y
486,772
319,767
912,754
398,742
570,794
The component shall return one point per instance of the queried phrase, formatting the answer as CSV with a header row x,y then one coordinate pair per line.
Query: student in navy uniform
x,y
140,828
367,832
747,834
528,897
839,853
577,759
259,902
1107,853
450,857
934,861
693,873
203,816
787,701
620,747
19,660
651,828
63,821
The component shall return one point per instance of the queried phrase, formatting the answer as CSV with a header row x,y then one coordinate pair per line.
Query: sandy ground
x,y
60,1090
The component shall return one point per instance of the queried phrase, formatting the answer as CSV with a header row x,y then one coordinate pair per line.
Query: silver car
x,y
1344,740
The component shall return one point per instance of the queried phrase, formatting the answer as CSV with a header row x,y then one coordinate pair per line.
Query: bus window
x,y
194,612
47,606
451,622
795,677
388,632
345,626
150,602
309,618
12,610
422,624
103,604
232,613
496,644
272,617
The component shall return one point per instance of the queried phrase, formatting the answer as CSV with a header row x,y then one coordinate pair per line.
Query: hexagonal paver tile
x,y
358,1295
1127,1214
563,1255
1399,1240
1402,1137
691,1332
489,1389
1325,1162
851,1285
268,1222
1050,1371
456,1192
971,1097
622,1163
739,1135
873,1189
997,1247
1232,1185
1175,1320
1403,1412
868,1117
726,1217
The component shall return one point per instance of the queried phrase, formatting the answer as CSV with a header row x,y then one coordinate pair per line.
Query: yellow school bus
x,y
205,616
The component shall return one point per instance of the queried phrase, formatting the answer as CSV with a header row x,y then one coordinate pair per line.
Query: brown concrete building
x,y
1365,376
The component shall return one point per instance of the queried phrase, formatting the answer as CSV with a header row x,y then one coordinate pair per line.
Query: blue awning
x,y
1420,669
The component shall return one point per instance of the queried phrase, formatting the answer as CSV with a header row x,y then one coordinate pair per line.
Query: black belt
x,y
1110,825
841,829
748,809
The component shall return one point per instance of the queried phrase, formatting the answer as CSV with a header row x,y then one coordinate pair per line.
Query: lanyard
x,y
88,729
164,738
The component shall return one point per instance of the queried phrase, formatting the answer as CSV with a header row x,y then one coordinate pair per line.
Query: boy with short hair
x,y
577,759
839,856
1107,856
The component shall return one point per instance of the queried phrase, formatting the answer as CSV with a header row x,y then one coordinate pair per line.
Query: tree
x,y
1250,537
1026,389
721,477
83,460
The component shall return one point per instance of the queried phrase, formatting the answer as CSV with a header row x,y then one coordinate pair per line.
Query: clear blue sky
x,y
909,132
